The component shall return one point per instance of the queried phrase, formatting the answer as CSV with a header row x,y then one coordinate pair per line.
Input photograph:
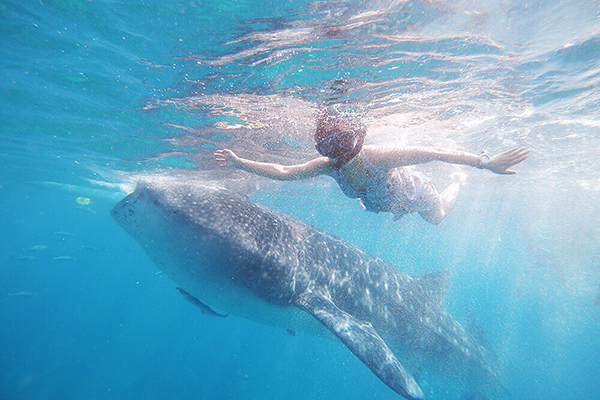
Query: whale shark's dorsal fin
x,y
364,342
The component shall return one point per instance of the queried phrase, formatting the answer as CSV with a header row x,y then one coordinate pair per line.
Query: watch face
x,y
484,159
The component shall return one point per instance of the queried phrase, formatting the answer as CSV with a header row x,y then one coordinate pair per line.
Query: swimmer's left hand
x,y
501,163
227,158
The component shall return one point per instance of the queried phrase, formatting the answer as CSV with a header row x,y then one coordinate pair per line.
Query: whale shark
x,y
253,262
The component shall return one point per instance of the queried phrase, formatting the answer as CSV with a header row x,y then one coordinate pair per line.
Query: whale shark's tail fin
x,y
364,342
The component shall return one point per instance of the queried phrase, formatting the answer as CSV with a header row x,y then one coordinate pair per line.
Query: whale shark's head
x,y
166,211
161,200
143,212
182,227
167,214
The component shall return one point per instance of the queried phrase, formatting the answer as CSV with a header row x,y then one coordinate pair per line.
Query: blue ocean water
x,y
95,94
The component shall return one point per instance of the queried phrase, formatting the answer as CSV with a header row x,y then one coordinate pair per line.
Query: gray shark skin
x,y
259,264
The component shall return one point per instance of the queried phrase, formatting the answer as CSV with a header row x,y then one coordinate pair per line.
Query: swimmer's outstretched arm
x,y
393,157
311,169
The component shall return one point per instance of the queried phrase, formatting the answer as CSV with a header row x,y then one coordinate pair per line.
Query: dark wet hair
x,y
331,120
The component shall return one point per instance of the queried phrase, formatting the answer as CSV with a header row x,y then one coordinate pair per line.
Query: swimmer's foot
x,y
458,177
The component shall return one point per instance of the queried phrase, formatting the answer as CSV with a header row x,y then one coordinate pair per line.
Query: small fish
x,y
19,294
63,234
291,332
84,209
92,248
81,78
37,247
26,258
203,307
65,258
597,301
23,294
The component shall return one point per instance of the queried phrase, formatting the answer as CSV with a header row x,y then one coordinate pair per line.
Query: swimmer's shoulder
x,y
385,157
319,166
369,149
373,152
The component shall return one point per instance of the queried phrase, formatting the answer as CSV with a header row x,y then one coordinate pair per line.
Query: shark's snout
x,y
123,212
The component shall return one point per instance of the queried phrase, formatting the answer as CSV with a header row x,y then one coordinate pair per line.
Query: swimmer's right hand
x,y
227,158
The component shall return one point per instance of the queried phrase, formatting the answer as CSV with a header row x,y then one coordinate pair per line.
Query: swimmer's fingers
x,y
507,172
221,157
501,162
225,157
223,153
517,156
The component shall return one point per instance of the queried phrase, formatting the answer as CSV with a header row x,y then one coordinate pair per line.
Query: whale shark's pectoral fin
x,y
364,342
206,310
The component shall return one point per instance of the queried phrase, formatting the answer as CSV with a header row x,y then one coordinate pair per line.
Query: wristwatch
x,y
484,160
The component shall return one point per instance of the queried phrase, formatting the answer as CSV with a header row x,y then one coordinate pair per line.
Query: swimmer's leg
x,y
436,215
444,201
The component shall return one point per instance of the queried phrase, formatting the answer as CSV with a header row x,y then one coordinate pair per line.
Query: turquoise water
x,y
95,94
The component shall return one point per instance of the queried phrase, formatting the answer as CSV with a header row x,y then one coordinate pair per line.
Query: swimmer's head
x,y
339,135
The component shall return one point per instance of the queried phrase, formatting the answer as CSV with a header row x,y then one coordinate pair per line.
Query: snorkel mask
x,y
337,144
340,134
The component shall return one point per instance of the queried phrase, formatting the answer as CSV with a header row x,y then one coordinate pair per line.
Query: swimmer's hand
x,y
227,158
501,163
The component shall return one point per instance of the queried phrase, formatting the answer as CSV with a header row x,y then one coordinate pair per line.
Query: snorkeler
x,y
374,174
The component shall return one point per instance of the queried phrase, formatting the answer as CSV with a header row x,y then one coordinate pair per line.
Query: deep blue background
x,y
103,91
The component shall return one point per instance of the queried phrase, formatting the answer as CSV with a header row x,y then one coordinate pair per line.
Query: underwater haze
x,y
96,94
